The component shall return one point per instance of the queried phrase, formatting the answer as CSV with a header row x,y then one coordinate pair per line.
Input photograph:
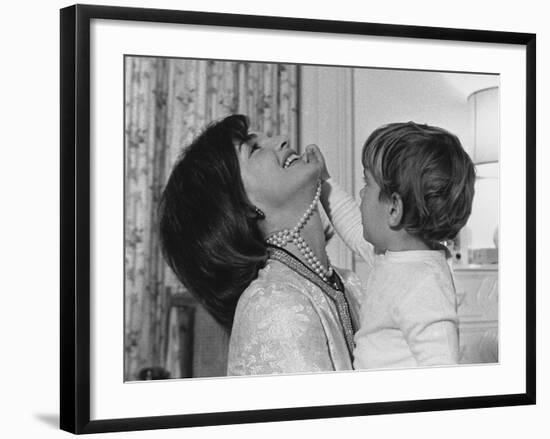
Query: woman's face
x,y
274,176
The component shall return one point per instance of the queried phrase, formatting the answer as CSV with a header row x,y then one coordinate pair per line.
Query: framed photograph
x,y
223,257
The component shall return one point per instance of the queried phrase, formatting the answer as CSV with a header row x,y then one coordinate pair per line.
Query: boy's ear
x,y
395,210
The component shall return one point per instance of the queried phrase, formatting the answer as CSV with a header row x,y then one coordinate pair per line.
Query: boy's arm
x,y
344,213
428,319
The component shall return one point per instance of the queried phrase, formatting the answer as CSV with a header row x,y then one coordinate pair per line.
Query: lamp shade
x,y
484,113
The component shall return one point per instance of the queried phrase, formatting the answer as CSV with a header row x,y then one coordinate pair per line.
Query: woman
x,y
240,228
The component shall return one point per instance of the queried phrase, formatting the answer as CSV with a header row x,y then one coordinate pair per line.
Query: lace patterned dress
x,y
284,323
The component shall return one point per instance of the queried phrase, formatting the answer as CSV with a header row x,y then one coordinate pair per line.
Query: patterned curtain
x,y
167,103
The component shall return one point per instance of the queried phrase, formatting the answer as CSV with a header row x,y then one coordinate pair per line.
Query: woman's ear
x,y
395,210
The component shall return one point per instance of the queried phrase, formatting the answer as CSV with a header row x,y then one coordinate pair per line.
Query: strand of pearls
x,y
283,237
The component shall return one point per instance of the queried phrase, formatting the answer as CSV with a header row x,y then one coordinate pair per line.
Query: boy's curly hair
x,y
428,168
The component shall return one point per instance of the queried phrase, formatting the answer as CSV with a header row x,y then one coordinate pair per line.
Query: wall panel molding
x,y
326,119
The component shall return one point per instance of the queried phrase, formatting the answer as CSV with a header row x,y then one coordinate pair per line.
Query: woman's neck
x,y
312,233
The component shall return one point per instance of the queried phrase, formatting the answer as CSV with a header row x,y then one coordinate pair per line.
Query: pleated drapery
x,y
167,103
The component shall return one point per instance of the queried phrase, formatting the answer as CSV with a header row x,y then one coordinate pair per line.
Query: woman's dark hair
x,y
430,171
208,228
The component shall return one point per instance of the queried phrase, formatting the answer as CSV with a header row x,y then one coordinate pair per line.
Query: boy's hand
x,y
315,151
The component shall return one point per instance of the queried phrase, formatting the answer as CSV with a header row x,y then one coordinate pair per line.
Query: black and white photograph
x,y
295,218
292,219
275,220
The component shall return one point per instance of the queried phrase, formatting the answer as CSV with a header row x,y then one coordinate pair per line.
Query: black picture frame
x,y
75,217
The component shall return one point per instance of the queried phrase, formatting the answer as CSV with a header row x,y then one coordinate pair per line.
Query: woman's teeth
x,y
291,159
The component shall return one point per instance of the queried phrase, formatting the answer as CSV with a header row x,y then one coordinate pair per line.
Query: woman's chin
x,y
313,169
304,173
312,175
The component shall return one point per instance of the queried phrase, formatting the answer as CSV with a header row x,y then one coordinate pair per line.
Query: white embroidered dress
x,y
284,323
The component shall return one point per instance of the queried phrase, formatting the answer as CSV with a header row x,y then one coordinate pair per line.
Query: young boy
x,y
419,186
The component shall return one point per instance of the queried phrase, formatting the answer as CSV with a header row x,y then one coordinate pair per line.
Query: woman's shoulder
x,y
274,307
348,276
275,283
277,327
280,326
351,280
354,291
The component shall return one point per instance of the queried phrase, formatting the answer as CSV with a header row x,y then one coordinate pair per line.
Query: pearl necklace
x,y
283,237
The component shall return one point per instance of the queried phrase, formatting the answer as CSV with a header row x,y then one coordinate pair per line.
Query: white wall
x,y
384,96
29,224
341,107
326,119
434,98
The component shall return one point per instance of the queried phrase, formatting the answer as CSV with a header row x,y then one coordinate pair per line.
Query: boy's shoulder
x,y
407,260
410,269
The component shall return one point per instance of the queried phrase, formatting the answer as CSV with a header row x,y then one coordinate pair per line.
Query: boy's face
x,y
374,213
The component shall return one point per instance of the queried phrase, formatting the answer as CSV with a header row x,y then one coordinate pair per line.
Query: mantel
x,y
476,267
